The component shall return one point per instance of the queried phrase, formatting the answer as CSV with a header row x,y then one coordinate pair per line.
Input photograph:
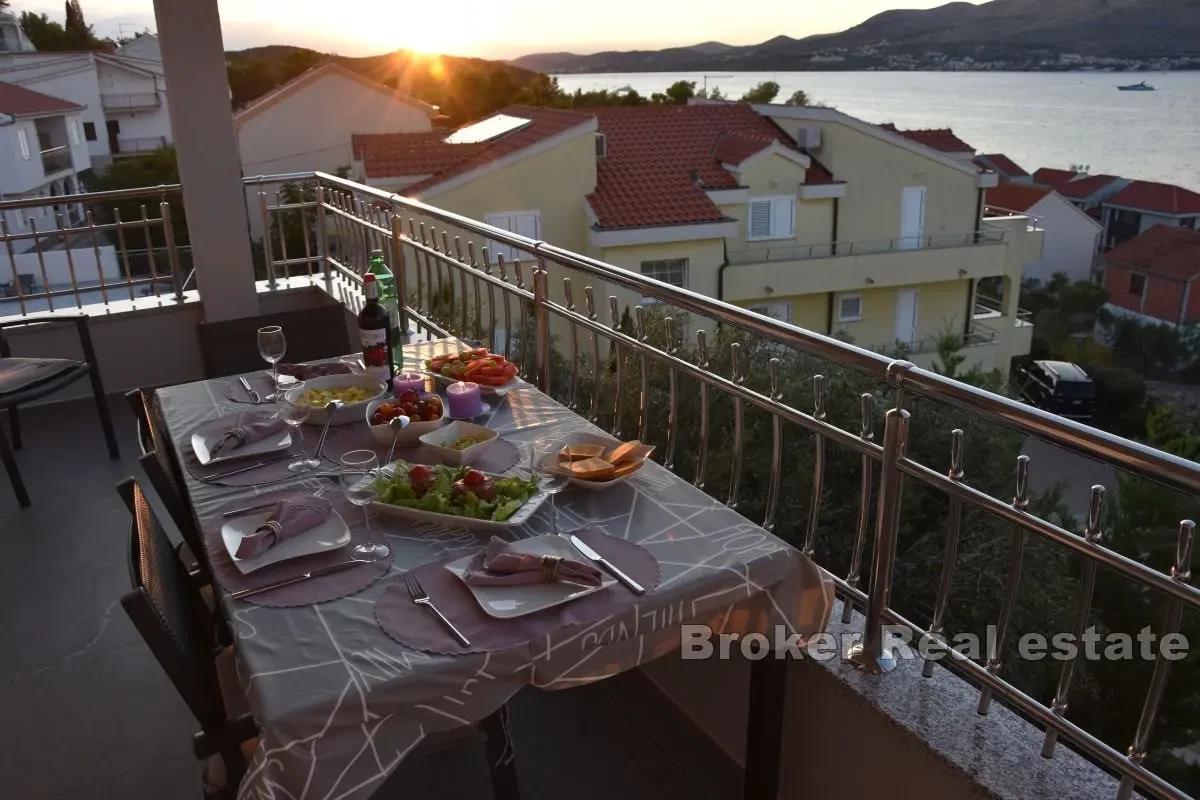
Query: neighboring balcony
x,y
136,101
136,146
56,159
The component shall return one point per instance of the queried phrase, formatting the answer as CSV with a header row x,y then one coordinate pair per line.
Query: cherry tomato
x,y
474,477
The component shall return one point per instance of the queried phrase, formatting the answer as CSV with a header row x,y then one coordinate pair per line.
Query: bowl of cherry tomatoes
x,y
425,412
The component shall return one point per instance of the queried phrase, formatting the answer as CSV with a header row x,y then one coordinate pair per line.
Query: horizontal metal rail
x,y
860,247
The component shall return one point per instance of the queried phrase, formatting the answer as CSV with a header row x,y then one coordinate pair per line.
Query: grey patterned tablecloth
x,y
340,704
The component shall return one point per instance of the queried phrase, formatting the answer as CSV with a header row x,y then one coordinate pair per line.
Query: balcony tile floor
x,y
88,713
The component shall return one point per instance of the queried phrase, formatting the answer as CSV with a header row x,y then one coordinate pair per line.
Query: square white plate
x,y
505,602
204,438
329,535
604,441
519,518
441,439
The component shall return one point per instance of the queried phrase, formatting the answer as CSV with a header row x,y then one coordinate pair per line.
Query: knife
x,y
248,509
255,398
240,470
582,547
238,595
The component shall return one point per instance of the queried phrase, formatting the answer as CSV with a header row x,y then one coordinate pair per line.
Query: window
x,y
779,311
73,126
673,271
1137,284
849,307
89,131
23,141
523,223
771,218
601,145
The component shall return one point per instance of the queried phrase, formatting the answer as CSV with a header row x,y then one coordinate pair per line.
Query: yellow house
x,y
807,215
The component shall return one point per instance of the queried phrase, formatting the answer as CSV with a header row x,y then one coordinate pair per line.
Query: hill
x,y
1136,29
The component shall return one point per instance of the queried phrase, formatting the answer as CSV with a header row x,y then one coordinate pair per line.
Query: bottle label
x,y
375,353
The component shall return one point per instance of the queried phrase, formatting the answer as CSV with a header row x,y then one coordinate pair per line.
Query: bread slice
x,y
628,467
629,451
580,452
593,469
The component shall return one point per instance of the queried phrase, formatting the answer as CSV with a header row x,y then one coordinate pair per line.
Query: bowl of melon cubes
x,y
597,462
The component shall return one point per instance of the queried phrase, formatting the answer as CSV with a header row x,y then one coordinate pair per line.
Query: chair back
x,y
230,347
177,506
136,399
168,611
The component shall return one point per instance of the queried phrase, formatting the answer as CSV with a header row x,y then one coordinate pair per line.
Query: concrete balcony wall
x,y
855,272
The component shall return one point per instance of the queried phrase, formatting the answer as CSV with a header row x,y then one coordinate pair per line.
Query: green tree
x,y
250,79
45,34
678,93
799,98
297,63
762,93
712,94
950,355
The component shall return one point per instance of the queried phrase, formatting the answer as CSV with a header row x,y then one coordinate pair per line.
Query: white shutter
x,y
759,225
504,222
783,217
23,140
849,307
74,131
528,225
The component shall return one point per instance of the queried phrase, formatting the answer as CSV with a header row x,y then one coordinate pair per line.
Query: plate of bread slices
x,y
597,462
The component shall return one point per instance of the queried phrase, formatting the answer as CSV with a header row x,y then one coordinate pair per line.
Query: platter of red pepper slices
x,y
476,366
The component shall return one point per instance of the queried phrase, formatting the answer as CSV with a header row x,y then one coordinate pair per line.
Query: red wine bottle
x,y
374,331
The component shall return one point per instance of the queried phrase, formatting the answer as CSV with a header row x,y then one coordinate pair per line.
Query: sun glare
x,y
449,28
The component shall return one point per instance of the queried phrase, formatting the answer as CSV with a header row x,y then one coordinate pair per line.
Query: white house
x,y
12,37
125,98
1071,235
144,46
42,150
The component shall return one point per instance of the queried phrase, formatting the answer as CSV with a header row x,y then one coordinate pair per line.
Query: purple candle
x,y
408,380
463,399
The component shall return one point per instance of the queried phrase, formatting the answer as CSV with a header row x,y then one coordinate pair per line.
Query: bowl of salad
x,y
459,442
457,496
355,392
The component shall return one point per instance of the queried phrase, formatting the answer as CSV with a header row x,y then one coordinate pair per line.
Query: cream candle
x,y
408,380
463,400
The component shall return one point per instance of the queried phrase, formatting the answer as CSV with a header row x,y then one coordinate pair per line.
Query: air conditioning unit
x,y
809,137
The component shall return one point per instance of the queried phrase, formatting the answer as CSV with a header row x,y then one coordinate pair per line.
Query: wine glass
x,y
272,345
359,471
295,414
547,470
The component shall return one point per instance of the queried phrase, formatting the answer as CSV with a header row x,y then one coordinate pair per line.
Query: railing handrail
x,y
863,247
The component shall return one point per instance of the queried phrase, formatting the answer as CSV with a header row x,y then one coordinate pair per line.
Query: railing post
x,y
164,213
541,312
399,271
266,223
870,655
323,239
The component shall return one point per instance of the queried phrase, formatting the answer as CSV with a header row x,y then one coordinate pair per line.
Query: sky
x,y
489,29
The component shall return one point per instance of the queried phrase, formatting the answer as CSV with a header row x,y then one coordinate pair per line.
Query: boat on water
x,y
1137,87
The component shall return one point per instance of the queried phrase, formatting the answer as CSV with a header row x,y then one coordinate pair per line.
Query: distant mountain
x,y
1114,28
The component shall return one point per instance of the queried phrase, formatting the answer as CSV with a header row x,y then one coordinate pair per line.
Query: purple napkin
x,y
306,371
248,429
292,516
501,565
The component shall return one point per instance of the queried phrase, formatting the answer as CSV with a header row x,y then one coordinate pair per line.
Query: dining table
x,y
339,703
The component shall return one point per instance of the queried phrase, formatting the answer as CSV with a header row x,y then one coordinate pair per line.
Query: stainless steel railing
x,y
136,145
900,244
452,286
130,101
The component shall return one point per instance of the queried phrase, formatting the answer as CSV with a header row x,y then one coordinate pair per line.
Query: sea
x,y
1039,119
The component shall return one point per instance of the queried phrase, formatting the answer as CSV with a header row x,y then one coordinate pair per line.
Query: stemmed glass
x,y
359,471
547,470
272,345
295,414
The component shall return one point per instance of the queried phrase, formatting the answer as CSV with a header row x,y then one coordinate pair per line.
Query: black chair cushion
x,y
22,374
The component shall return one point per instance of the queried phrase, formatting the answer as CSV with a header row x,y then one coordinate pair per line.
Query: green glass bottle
x,y
388,296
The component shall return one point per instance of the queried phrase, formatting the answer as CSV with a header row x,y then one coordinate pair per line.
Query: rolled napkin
x,y
306,372
248,428
291,517
502,565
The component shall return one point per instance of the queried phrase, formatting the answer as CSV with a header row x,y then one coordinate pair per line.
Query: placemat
x,y
417,627
273,472
320,589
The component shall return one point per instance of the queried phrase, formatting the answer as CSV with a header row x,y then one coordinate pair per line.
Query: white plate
x,y
440,441
204,438
329,535
505,602
350,412
603,441
454,521
498,391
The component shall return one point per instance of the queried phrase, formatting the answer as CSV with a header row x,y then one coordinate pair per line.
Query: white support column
x,y
189,32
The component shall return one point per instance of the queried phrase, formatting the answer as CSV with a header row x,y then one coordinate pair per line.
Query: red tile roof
x,y
1163,250
1015,196
942,139
660,160
395,155
1048,176
1161,197
17,101
1085,187
1002,164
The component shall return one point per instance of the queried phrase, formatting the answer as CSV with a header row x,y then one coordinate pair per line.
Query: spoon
x,y
330,407
369,553
397,424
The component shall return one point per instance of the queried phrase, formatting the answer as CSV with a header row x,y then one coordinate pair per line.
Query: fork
x,y
421,598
